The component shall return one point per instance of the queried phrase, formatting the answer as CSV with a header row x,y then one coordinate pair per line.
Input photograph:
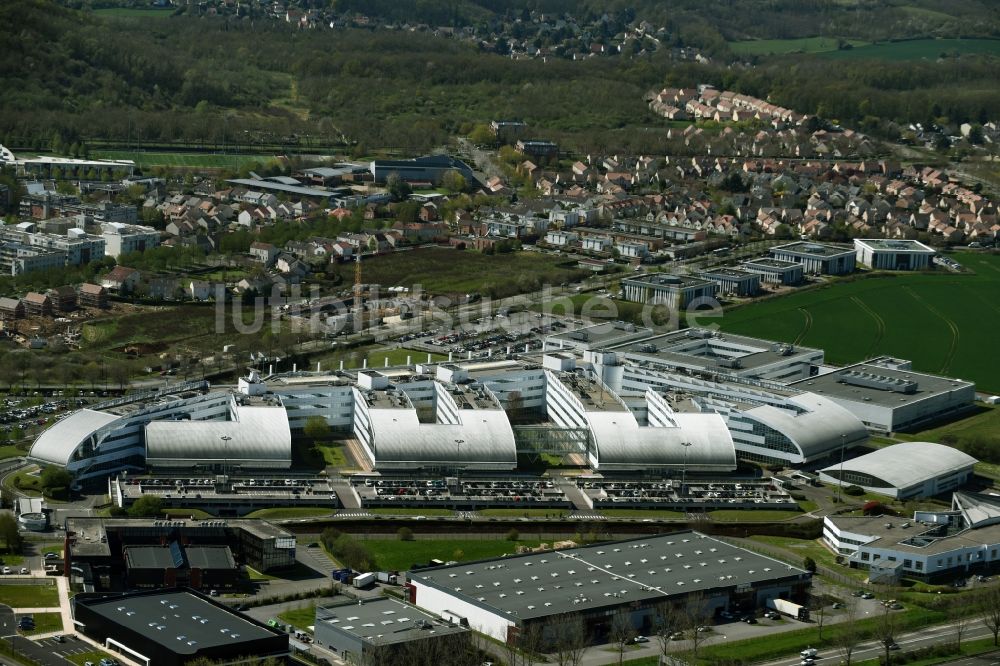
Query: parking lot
x,y
459,493
668,493
52,651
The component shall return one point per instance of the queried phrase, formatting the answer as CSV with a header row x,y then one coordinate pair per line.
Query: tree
x,y
622,632
398,188
454,181
847,638
885,632
989,612
10,533
513,534
481,135
570,639
809,564
147,506
696,616
405,533
56,477
316,428
961,623
666,622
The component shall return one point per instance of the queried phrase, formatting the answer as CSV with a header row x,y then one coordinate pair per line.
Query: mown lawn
x,y
46,623
410,511
659,514
396,555
30,596
751,515
523,513
300,618
291,512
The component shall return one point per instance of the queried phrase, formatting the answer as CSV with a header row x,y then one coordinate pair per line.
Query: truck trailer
x,y
786,607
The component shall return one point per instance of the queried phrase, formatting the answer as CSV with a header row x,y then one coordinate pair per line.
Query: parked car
x,y
6,571
640,639
24,571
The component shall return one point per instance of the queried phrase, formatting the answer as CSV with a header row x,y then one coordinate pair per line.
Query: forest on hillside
x,y
74,77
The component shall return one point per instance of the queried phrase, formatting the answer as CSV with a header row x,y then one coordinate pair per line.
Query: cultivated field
x,y
918,49
781,46
944,323
180,160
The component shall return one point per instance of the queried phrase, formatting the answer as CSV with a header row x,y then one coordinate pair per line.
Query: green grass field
x,y
410,511
752,515
94,657
918,49
29,596
300,618
659,514
782,46
180,160
396,555
523,513
277,513
332,454
46,623
133,12
941,322
447,271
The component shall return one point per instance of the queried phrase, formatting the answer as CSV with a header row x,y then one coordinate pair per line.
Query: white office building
x,y
893,254
126,238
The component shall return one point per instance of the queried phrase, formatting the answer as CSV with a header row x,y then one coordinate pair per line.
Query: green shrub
x,y
854,491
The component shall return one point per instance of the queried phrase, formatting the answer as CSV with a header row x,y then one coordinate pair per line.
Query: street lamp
x,y
225,451
458,452
684,469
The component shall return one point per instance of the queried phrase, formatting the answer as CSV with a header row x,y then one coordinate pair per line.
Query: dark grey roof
x,y
605,575
383,621
149,557
164,616
209,557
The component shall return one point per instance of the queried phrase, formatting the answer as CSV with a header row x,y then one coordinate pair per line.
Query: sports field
x,y
918,49
944,323
180,160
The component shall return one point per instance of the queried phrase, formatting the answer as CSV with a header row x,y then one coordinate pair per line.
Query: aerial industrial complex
x,y
506,597
622,398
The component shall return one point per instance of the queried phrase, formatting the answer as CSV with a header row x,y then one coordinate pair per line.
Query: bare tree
x,y
817,604
569,639
622,632
697,616
961,624
989,612
886,633
846,639
666,622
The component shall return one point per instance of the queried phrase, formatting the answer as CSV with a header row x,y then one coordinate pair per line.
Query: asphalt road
x,y
923,638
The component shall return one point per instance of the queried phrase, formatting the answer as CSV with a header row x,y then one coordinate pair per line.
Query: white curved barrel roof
x,y
906,464
259,434
817,430
621,442
57,444
486,439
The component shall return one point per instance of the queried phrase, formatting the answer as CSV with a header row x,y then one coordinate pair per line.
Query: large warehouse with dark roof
x,y
506,597
174,627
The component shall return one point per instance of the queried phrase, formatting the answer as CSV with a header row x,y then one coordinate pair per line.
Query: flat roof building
x,y
677,292
932,545
505,598
888,396
893,254
775,271
430,168
734,281
174,627
908,470
597,336
817,258
383,630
